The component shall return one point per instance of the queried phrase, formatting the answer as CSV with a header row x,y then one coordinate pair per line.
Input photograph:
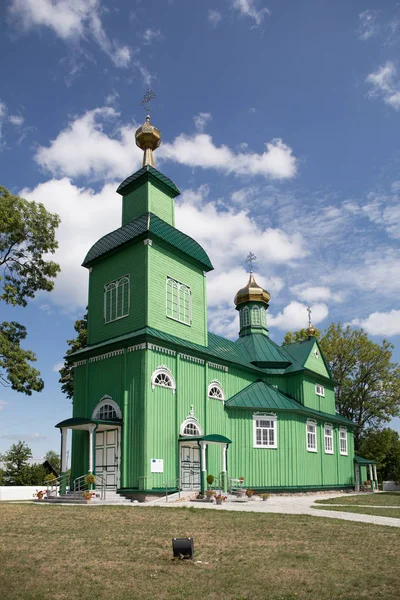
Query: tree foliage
x,y
27,235
367,381
298,336
384,447
66,372
16,470
54,459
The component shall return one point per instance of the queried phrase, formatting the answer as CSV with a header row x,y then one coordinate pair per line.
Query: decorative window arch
x,y
178,301
116,299
215,390
190,426
245,316
162,377
255,313
107,410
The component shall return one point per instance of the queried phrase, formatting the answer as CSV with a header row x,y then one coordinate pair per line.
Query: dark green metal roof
x,y
151,225
364,461
299,352
263,352
76,421
261,396
213,438
146,172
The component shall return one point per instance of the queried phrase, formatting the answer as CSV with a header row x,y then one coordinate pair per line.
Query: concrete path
x,y
292,505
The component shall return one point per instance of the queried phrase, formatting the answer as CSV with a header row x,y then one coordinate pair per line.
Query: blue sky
x,y
280,126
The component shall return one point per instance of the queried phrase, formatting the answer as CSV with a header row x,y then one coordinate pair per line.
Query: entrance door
x,y
190,467
107,457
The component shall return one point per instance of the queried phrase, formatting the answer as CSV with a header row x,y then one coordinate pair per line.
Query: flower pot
x,y
218,501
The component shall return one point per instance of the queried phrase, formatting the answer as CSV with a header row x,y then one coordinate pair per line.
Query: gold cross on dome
x,y
251,257
147,98
309,315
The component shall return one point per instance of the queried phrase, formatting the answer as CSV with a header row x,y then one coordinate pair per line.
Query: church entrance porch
x,y
190,466
107,458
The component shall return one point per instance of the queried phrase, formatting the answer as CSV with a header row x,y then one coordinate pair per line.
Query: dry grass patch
x,y
381,499
365,510
120,553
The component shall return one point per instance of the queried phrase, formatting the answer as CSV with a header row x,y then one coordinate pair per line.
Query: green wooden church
x,y
162,402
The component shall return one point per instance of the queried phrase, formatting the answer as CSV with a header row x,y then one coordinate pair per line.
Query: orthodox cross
x,y
309,316
250,259
147,98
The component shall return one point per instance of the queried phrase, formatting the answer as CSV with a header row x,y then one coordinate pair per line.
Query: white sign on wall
x,y
157,465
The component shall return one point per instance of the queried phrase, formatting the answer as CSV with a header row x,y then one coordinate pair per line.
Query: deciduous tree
x,y
16,470
66,372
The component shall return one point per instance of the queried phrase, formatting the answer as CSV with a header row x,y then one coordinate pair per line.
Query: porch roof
x,y
212,438
359,460
83,423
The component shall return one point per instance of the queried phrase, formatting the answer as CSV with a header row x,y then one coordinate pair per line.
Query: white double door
x,y
190,467
107,457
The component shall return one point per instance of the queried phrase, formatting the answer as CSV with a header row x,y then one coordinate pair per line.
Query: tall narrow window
x,y
116,299
179,301
343,441
311,436
264,432
328,439
319,390
245,316
255,312
263,316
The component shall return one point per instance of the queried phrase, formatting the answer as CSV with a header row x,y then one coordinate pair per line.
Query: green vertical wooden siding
x,y
148,196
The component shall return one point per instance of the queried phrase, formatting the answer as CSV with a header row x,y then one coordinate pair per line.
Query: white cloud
x,y
214,16
201,120
294,316
102,155
368,26
151,35
16,120
380,323
3,112
222,286
85,217
145,73
57,367
385,85
247,8
112,98
72,21
26,437
3,404
312,293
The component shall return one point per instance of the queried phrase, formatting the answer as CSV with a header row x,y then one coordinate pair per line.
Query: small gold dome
x,y
252,292
311,331
148,138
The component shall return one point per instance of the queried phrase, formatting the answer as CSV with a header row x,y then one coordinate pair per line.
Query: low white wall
x,y
19,492
390,486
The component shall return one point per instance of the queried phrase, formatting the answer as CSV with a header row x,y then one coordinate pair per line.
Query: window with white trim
x,y
343,441
116,299
328,438
245,313
215,391
319,390
179,301
162,377
107,410
191,429
311,436
255,313
265,431
263,316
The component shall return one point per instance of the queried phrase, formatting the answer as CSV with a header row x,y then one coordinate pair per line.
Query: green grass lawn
x,y
124,553
382,499
365,510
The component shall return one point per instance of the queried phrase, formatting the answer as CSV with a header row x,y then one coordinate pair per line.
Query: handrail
x,y
178,479
80,484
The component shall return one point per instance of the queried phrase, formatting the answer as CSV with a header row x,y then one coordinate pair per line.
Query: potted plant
x,y
88,495
241,480
219,498
264,496
210,480
249,493
40,494
210,494
90,479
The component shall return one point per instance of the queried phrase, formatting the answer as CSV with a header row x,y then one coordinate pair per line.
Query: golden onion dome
x,y
148,138
252,292
311,331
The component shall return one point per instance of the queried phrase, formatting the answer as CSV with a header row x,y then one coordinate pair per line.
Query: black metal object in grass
x,y
183,547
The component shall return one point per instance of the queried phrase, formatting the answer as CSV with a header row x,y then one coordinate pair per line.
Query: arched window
x,y
191,429
162,377
255,313
191,426
245,316
179,301
107,410
215,390
116,299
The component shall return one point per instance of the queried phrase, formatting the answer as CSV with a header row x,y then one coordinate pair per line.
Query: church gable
x,y
316,362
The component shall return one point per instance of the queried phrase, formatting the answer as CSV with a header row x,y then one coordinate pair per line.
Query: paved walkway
x,y
291,504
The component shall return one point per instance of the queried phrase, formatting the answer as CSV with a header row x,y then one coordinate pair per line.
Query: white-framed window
x,y
191,429
106,410
162,377
328,438
311,429
116,299
319,390
255,316
265,431
263,313
215,390
245,316
343,441
178,301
